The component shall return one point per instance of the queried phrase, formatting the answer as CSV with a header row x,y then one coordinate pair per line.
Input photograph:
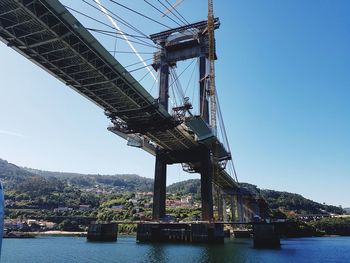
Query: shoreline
x,y
59,233
84,234
53,234
69,233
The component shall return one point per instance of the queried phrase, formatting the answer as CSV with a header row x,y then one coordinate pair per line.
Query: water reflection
x,y
230,252
156,253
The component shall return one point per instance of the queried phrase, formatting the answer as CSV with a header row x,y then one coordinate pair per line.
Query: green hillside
x,y
13,175
284,201
191,186
36,188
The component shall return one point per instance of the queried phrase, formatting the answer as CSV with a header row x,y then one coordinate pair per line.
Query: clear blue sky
x,y
284,85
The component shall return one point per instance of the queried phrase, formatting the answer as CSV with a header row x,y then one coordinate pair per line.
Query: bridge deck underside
x,y
49,35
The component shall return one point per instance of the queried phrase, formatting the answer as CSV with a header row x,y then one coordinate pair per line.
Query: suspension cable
x,y
145,66
188,84
148,67
90,17
115,32
223,130
136,63
148,72
129,52
172,89
133,41
100,22
181,21
178,87
184,22
156,8
184,19
183,71
154,82
221,122
138,13
111,33
117,18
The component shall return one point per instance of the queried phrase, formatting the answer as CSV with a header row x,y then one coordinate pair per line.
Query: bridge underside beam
x,y
192,155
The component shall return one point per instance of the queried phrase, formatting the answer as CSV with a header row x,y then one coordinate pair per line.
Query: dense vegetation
x,y
324,226
37,194
277,200
13,175
46,190
122,182
333,226
191,186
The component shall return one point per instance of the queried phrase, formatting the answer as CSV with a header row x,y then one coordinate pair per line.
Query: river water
x,y
126,249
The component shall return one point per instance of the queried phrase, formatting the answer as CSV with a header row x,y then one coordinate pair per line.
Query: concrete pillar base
x,y
266,236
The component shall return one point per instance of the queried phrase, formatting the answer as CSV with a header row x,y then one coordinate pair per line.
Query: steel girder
x,y
46,33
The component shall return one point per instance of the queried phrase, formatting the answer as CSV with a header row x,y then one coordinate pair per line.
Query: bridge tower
x,y
178,44
160,174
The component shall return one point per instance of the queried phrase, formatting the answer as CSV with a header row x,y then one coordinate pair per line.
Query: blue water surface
x,y
126,249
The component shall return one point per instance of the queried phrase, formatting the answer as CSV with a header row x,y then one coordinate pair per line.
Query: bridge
x,y
46,33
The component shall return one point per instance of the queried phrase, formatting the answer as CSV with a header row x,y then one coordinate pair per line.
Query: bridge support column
x,y
255,208
220,204
240,208
206,186
164,80
263,209
247,209
233,208
159,192
224,218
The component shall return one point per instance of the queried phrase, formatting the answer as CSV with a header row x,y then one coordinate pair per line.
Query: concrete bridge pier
x,y
220,206
240,208
206,186
224,208
247,210
266,236
159,192
254,208
263,208
233,203
164,80
251,208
